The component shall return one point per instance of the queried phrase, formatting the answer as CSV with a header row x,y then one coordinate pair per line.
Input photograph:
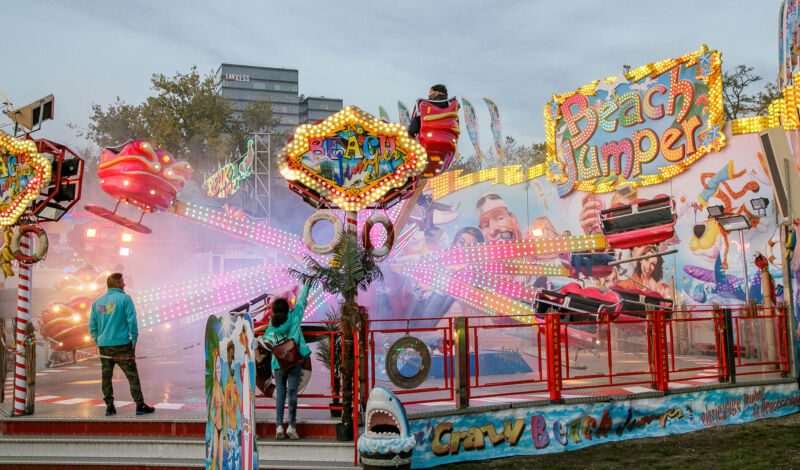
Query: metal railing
x,y
566,354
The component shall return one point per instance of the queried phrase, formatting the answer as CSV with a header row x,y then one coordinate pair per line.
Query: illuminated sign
x,y
225,182
640,128
237,77
23,171
352,159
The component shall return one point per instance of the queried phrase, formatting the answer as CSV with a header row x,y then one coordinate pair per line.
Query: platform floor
x,y
175,387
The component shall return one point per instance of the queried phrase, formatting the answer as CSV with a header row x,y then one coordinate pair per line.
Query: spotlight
x,y
733,223
715,211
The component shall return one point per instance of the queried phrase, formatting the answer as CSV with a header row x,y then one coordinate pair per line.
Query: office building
x,y
243,84
316,108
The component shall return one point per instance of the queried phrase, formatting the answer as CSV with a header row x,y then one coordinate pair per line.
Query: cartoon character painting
x,y
230,382
716,185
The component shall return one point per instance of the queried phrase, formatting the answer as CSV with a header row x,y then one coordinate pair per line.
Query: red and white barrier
x,y
23,317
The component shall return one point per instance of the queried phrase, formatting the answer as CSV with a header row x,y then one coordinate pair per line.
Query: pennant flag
x,y
405,117
383,114
788,41
497,129
471,119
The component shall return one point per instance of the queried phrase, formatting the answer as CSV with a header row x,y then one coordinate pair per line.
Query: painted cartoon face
x,y
706,240
648,266
465,239
499,224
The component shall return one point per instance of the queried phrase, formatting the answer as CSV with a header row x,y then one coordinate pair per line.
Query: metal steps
x,y
20,451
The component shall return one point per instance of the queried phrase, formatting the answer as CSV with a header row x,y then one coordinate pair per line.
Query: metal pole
x,y
744,263
23,317
461,363
788,294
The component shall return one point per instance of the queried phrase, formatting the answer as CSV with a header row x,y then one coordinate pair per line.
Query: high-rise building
x,y
243,84
315,108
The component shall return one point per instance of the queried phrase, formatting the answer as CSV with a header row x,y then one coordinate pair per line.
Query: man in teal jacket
x,y
112,325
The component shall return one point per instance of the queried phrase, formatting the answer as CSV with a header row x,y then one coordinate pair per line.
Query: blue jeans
x,y
292,377
580,261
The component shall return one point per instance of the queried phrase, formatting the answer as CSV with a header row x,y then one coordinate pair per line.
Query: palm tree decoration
x,y
351,269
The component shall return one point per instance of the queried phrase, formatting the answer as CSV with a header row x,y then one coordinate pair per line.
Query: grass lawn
x,y
764,444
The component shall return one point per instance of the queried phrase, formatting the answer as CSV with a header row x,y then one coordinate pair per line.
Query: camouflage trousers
x,y
128,366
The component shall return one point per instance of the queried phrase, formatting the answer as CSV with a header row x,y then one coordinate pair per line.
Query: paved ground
x,y
172,380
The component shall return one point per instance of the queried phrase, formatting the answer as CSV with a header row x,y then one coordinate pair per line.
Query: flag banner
x,y
405,117
497,129
472,126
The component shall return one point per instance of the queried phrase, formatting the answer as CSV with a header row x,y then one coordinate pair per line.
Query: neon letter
x,y
689,127
579,137
630,109
614,152
653,112
639,154
608,108
569,171
668,138
592,169
683,88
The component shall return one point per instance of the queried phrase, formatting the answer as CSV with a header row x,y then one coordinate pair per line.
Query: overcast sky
x,y
368,53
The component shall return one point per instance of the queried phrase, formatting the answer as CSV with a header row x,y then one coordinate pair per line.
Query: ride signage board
x,y
23,172
225,182
351,159
640,128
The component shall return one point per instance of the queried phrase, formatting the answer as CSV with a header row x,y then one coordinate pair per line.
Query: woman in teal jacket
x,y
285,324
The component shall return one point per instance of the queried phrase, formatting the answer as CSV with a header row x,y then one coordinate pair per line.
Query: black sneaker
x,y
110,410
143,409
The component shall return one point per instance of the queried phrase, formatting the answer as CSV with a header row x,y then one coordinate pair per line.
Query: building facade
x,y
243,84
316,108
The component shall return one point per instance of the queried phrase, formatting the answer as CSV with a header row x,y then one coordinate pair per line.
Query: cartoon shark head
x,y
386,437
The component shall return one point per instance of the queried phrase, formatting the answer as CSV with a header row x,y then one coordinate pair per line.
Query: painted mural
x,y
507,205
559,428
230,386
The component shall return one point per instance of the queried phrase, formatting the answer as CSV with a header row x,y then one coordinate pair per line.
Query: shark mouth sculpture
x,y
386,441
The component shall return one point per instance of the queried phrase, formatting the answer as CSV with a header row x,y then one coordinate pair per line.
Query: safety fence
x,y
555,356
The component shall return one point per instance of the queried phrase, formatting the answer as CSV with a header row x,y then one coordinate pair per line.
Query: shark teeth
x,y
381,415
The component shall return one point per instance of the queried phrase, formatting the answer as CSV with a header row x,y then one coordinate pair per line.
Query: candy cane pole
x,y
23,317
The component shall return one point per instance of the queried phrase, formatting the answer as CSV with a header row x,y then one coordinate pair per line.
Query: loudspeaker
x,y
782,172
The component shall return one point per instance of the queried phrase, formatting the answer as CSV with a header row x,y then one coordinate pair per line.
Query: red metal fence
x,y
581,355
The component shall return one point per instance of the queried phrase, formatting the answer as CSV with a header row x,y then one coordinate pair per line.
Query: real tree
x,y
739,99
185,117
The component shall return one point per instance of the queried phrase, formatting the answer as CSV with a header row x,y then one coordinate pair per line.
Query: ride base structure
x,y
606,303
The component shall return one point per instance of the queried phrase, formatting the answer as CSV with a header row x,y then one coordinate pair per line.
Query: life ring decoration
x,y
312,220
41,250
383,250
773,253
393,372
